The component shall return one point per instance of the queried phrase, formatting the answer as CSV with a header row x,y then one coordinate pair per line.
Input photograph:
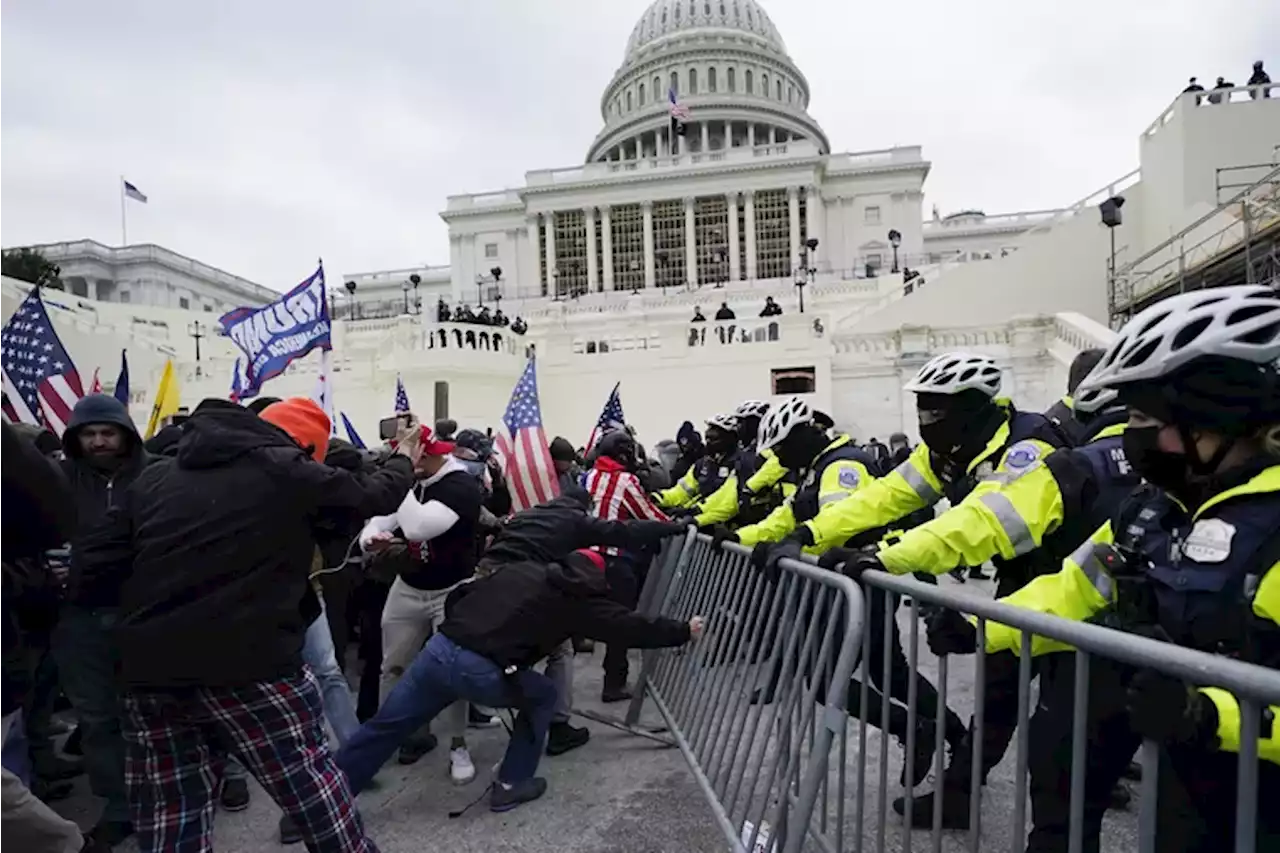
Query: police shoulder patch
x,y
1021,456
849,477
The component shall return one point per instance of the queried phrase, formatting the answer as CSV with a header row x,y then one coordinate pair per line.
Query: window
x,y
773,234
208,309
747,82
677,14
571,252
124,296
711,233
657,88
642,94
764,85
184,302
491,250
733,81
871,215
627,230
711,79
778,86
791,94
793,380
628,100
675,81
669,244
693,81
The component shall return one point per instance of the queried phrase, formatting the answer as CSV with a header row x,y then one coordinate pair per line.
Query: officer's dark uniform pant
x,y
1196,788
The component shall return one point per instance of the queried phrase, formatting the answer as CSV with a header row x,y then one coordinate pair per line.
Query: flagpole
x,y
124,228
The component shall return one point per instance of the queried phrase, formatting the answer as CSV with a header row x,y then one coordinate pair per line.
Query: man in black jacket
x,y
103,457
495,629
38,514
208,554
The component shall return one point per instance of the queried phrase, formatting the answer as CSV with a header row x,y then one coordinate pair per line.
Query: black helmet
x,y
619,446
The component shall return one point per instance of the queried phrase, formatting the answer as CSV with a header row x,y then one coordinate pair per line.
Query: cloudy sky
x,y
269,133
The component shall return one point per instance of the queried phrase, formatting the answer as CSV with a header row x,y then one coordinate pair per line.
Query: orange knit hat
x,y
304,421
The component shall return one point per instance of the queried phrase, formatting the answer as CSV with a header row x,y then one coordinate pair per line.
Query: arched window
x,y
664,17
778,86
628,100
764,85
733,81
711,79
749,87
675,79
677,14
693,9
693,81
657,88
791,94
641,94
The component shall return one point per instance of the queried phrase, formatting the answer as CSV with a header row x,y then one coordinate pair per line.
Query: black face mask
x,y
720,441
1168,471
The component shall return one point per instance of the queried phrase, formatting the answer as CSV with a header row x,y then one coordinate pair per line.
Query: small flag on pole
x,y
95,387
237,384
130,191
402,399
530,471
610,415
167,400
121,391
323,395
352,435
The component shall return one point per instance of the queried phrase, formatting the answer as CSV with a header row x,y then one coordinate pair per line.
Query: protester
x,y
1259,77
563,456
218,535
771,308
698,316
725,312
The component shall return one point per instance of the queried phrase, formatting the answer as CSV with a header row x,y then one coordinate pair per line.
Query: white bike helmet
x,y
1240,322
953,372
728,423
752,409
781,420
1088,400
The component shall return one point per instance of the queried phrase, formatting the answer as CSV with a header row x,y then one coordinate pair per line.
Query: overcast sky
x,y
269,133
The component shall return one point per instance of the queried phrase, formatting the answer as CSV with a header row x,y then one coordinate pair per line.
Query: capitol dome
x,y
727,64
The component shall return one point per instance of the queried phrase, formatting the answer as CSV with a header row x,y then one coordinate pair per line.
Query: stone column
x,y
751,134
690,242
816,220
793,220
750,224
735,269
593,270
606,241
550,219
529,280
728,135
706,137
773,135
646,208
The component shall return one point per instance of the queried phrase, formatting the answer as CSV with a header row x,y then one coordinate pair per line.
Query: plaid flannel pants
x,y
178,743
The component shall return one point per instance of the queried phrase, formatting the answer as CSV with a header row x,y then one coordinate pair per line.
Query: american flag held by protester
x,y
402,399
530,471
611,414
41,383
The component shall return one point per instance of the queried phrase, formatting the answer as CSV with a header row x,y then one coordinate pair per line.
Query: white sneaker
x,y
461,768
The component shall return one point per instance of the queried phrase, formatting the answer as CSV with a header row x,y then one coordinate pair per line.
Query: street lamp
x,y
416,280
895,240
196,331
634,266
496,272
1110,211
804,275
351,289
717,258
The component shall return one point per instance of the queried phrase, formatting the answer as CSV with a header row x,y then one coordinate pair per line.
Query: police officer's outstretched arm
x,y
905,489
721,506
1006,515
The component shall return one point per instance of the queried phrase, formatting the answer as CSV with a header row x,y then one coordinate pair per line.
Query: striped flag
x,y
352,435
679,112
402,399
530,471
237,384
610,416
41,383
95,386
121,391
130,191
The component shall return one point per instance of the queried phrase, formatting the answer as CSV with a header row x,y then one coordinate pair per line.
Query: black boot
x,y
976,573
563,737
955,806
922,760
416,747
615,693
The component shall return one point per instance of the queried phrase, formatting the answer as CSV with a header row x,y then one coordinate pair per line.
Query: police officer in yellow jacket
x,y
831,470
710,472
756,484
1193,558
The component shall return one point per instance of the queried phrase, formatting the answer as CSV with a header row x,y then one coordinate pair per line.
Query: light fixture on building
x,y
496,292
416,280
404,286
197,331
806,271
895,240
354,310
1110,212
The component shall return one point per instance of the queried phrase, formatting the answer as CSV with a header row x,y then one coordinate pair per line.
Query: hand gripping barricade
x,y
755,705
758,708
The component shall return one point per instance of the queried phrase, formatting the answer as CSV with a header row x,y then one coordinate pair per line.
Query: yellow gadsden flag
x,y
166,399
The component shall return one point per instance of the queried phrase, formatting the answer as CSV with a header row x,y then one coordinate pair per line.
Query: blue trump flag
x,y
275,335
352,435
121,392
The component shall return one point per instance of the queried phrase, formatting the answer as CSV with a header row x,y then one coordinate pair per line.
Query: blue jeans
x,y
15,753
86,654
441,674
335,693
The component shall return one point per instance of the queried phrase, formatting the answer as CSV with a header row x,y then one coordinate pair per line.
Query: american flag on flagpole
x,y
402,399
610,415
530,471
679,111
95,386
41,383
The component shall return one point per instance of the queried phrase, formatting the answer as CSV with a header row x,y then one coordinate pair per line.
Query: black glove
x,y
950,633
851,562
721,534
765,556
1168,709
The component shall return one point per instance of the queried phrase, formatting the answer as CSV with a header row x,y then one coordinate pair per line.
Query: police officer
x,y
1084,486
757,484
709,472
1192,557
1062,413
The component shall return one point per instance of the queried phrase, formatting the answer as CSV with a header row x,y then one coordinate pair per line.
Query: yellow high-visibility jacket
x,y
722,505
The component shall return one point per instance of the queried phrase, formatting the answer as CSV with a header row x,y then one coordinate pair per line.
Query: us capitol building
x,y
607,260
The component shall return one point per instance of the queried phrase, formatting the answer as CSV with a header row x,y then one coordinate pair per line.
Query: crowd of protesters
x,y
481,317
1258,77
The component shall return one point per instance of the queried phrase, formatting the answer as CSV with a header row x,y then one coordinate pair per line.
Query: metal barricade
x,y
1089,652
756,705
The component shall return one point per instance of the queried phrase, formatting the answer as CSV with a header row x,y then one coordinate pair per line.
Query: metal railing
x,y
763,707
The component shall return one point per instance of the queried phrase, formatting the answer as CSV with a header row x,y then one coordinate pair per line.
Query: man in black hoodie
x,y
103,457
208,555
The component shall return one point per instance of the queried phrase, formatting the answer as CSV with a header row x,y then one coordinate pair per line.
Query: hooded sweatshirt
x,y
208,552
